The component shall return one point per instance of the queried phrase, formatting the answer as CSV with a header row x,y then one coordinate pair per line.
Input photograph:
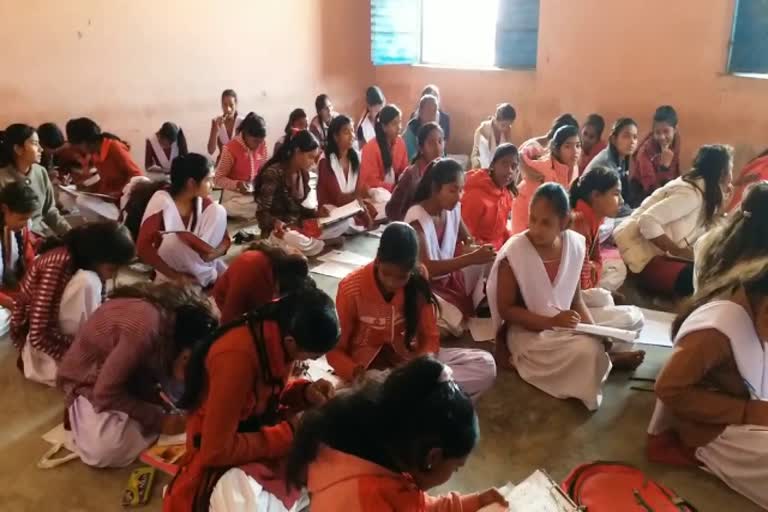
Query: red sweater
x,y
485,208
235,391
116,168
328,189
247,284
585,222
372,171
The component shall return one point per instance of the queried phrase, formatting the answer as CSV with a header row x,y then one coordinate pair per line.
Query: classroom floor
x,y
522,429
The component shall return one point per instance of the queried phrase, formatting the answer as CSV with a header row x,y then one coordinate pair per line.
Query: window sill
x,y
459,67
753,76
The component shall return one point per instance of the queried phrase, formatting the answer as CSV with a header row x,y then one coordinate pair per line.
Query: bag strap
x,y
47,461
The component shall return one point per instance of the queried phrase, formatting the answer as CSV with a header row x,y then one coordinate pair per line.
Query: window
x,y
480,33
749,42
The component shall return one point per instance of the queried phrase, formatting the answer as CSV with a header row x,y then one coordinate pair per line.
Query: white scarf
x,y
224,136
163,202
541,295
369,131
347,184
436,250
164,161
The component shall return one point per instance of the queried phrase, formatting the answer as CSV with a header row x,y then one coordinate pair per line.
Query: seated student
x,y
428,112
18,202
621,146
19,162
366,127
385,157
492,132
51,140
224,127
535,147
183,233
322,121
387,315
488,195
711,408
443,117
240,428
297,121
591,140
129,351
110,155
384,446
657,160
656,241
281,188
755,170
736,248
557,165
60,290
163,146
431,146
240,161
534,288
257,276
338,173
454,263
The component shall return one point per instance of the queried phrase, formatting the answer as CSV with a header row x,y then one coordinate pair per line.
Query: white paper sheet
x,y
484,151
603,331
346,257
537,493
334,269
376,233
481,329
656,328
341,213
166,440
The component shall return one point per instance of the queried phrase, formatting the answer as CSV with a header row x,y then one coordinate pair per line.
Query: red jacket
x,y
585,222
485,208
116,168
372,171
246,285
235,391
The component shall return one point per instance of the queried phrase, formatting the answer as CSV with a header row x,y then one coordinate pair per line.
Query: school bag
x,y
612,486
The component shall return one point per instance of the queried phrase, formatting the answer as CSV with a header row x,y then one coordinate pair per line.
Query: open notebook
x,y
339,264
537,493
341,213
602,331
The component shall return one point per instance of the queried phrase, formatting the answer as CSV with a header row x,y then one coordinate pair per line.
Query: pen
x,y
166,399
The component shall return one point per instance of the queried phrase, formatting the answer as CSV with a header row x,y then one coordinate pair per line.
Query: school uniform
x,y
587,156
237,431
320,130
758,167
246,285
224,135
460,292
486,208
47,219
675,210
484,145
341,481
405,191
158,157
366,130
609,159
562,364
647,172
115,168
711,398
109,377
278,200
12,253
38,320
158,238
332,182
552,171
238,164
372,171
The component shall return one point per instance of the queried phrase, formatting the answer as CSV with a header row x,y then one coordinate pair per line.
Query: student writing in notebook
x,y
388,316
712,406
163,146
141,338
259,275
431,146
61,289
534,288
384,446
241,424
224,127
183,233
455,263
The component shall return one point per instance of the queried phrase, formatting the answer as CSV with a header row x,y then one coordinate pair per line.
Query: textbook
x,y
341,213
601,331
537,493
165,458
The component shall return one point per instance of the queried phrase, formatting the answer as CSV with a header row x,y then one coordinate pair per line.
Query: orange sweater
x,y
372,171
116,168
369,323
339,481
485,208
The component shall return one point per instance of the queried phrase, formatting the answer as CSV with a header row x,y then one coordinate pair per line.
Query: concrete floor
x,y
522,429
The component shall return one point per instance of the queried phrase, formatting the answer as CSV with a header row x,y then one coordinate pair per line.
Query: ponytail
x,y
440,172
598,179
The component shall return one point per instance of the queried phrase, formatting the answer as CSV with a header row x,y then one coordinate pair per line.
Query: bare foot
x,y
502,355
627,361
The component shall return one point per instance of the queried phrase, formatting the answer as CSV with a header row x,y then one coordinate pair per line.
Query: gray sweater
x,y
47,219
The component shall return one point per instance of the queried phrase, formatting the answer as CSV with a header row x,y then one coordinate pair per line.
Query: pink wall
x,y
618,58
132,64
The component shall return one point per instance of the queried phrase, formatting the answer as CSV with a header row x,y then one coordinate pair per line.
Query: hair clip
x,y
446,375
747,214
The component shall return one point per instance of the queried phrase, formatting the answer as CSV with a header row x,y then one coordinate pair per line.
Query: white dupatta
x,y
541,295
347,184
162,159
436,250
224,136
162,201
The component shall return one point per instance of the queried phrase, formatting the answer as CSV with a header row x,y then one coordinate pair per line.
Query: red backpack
x,y
612,486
